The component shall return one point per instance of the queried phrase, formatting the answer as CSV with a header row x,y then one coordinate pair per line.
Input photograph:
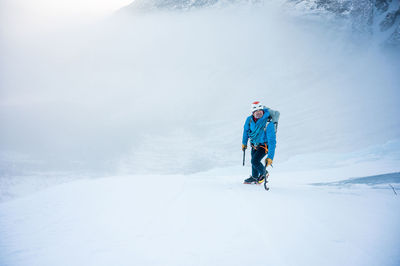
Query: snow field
x,y
199,219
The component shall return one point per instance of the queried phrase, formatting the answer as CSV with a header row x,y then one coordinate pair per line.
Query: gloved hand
x,y
268,162
244,147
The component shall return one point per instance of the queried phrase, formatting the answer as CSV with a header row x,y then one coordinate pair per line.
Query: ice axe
x,y
266,181
244,155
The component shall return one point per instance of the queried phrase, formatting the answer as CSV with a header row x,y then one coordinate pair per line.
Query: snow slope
x,y
200,219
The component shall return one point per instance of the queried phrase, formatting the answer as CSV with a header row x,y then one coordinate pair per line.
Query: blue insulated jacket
x,y
258,134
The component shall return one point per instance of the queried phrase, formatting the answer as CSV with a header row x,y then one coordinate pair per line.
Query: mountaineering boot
x,y
250,180
263,178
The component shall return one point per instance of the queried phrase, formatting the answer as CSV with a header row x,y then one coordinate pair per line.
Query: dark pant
x,y
257,168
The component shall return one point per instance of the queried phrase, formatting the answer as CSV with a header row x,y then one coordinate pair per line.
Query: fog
x,y
168,92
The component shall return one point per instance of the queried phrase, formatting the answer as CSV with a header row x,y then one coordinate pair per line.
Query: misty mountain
x,y
135,90
377,18
147,5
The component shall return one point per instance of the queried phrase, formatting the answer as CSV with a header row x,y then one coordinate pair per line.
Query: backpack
x,y
273,117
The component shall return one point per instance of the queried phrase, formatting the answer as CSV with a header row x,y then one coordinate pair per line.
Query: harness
x,y
262,146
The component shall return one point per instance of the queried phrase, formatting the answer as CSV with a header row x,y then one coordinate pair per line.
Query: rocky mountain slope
x,y
377,18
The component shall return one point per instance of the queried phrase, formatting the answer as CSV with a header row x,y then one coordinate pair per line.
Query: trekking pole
x,y
244,154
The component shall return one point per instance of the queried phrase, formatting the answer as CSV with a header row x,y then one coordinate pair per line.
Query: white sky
x,y
68,7
50,13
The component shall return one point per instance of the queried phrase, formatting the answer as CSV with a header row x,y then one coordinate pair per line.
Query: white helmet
x,y
256,106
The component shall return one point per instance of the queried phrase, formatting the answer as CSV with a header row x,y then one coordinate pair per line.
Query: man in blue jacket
x,y
262,137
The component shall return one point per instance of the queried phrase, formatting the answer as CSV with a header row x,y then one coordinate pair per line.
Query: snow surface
x,y
200,219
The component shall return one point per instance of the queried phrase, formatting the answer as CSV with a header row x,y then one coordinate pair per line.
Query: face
x,y
258,114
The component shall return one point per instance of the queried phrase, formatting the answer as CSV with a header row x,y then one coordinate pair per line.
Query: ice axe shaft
x,y
244,155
